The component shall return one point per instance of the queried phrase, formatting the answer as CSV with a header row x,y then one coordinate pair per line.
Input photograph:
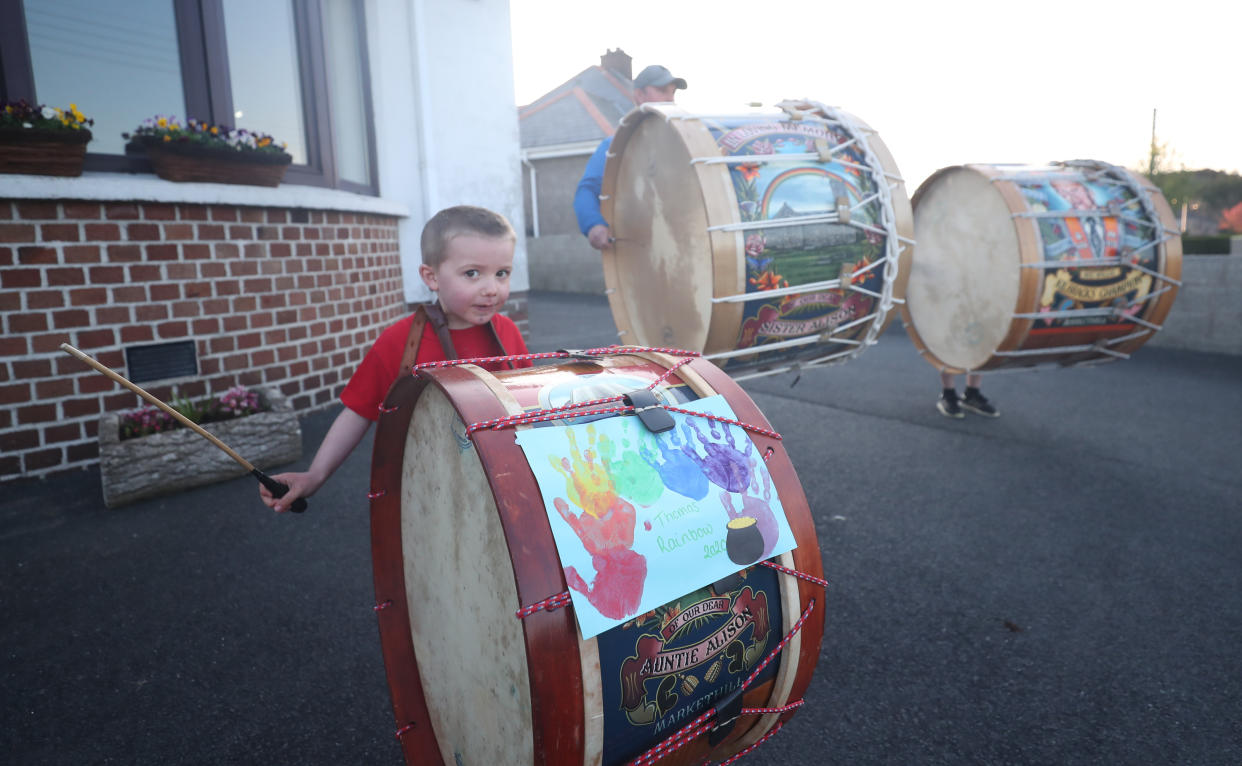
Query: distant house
x,y
558,132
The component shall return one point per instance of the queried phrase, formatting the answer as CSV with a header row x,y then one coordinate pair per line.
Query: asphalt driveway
x,y
1061,585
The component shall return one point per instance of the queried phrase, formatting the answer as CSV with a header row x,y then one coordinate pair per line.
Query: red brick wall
x,y
290,298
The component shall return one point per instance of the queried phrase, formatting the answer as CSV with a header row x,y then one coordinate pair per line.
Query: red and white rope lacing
x,y
559,413
579,409
601,351
795,573
761,740
703,724
550,604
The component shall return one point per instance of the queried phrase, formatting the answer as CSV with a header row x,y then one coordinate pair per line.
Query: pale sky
x,y
943,83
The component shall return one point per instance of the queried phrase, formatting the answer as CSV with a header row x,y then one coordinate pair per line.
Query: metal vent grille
x,y
160,361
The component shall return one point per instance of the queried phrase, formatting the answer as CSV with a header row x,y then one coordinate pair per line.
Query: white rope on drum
x,y
893,243
828,284
1103,173
884,183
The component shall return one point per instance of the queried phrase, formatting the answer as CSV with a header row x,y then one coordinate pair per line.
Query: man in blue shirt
x,y
655,83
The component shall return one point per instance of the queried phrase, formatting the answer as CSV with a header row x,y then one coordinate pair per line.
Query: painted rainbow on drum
x,y
797,254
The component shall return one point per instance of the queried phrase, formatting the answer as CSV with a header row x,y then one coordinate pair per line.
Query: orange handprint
x,y
606,530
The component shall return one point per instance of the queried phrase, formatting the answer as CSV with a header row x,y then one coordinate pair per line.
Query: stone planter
x,y
172,461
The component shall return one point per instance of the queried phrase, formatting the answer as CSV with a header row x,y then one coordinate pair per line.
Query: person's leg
x,y
974,400
948,403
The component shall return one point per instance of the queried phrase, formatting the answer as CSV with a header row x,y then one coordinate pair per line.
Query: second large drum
x,y
764,241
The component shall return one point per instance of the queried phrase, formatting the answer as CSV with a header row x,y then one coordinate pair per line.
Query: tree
x,y
1160,156
1209,193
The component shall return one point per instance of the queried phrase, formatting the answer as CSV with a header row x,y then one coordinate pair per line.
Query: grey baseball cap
x,y
657,76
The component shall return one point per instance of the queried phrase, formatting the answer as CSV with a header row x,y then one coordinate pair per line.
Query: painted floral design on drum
x,y
755,247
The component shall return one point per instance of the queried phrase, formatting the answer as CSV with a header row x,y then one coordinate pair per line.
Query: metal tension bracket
x,y
727,712
650,413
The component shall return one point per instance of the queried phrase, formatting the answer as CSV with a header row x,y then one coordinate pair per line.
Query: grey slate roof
x,y
562,115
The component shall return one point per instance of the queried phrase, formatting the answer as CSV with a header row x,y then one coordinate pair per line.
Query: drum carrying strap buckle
x,y
727,712
650,413
578,354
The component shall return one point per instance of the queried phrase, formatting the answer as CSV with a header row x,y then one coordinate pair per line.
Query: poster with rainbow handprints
x,y
640,519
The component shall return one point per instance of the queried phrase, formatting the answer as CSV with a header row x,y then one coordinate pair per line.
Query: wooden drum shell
x,y
559,688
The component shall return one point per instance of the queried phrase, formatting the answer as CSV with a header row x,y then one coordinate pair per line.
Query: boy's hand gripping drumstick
x,y
278,489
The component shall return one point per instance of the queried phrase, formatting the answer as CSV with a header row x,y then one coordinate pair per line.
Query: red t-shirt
x,y
381,366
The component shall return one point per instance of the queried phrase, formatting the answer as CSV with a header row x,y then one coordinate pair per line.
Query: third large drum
x,y
1019,266
765,241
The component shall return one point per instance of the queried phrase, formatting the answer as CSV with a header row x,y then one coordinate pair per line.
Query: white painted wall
x,y
445,116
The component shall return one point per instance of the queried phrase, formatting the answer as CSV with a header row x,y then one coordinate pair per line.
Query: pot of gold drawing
x,y
744,541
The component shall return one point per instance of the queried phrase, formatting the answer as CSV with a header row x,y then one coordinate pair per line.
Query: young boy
x,y
467,259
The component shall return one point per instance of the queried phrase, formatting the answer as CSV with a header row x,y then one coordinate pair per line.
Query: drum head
x,y
660,269
965,275
459,584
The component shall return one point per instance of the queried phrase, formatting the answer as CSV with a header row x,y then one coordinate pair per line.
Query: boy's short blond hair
x,y
461,219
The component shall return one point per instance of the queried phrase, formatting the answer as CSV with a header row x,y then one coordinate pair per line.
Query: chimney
x,y
618,62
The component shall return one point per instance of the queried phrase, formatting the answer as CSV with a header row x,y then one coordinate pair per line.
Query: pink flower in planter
x,y
239,401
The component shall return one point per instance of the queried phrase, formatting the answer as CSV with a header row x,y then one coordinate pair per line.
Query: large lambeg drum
x,y
461,542
764,241
1017,266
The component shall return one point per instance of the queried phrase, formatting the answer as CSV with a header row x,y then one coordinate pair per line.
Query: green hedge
x,y
1215,245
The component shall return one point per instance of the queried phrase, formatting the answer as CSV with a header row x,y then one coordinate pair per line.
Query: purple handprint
x,y
724,464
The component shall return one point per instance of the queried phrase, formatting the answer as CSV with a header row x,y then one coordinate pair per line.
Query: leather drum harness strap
x,y
431,312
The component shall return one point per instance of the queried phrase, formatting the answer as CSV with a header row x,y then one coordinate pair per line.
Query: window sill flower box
x,y
42,140
179,162
209,153
172,461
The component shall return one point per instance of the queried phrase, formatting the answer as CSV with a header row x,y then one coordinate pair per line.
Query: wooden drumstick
x,y
277,488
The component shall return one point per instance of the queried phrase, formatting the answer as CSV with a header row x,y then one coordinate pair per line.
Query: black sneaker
x,y
979,404
947,404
